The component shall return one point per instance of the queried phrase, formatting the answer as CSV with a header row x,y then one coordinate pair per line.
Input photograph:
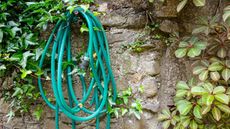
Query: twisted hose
x,y
96,93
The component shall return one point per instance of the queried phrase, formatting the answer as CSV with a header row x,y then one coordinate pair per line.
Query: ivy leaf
x,y
181,5
193,52
222,53
183,44
224,108
223,98
166,112
200,45
38,53
203,75
205,109
25,73
216,66
226,74
2,67
193,125
137,115
215,76
84,28
14,30
197,112
199,3
199,69
166,124
17,91
181,52
198,90
184,107
26,55
71,9
28,40
185,121
181,93
208,86
85,7
39,72
182,85
208,99
38,113
219,90
123,111
216,113
203,29
10,115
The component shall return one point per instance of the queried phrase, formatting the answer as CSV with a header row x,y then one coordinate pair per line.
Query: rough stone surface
x,y
169,26
150,87
157,69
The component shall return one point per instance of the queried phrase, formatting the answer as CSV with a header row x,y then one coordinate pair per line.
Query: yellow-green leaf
x,y
222,53
181,5
215,76
181,52
207,99
223,98
197,112
199,69
184,107
193,52
199,3
182,85
208,86
193,125
203,75
226,74
216,113
205,109
181,93
166,124
216,66
219,89
224,108
198,90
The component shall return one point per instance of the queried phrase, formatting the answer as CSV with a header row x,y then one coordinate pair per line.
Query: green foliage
x,y
204,101
21,26
126,103
136,46
191,47
197,3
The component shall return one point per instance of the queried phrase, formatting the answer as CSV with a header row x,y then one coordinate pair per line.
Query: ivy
x,y
21,26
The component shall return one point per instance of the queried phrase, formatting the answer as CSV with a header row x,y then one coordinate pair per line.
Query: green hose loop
x,y
96,93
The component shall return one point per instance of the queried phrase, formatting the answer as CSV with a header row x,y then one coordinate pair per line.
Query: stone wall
x,y
156,68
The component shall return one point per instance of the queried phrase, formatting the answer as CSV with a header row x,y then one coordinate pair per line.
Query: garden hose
x,y
94,99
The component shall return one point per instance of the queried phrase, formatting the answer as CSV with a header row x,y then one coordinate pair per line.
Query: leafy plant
x,y
204,101
126,103
191,47
21,26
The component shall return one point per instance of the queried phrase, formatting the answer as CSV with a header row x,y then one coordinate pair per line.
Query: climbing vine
x,y
21,26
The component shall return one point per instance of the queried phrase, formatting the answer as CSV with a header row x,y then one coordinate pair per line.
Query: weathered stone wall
x,y
156,68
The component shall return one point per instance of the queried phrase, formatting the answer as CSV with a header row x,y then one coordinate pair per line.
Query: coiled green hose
x,y
97,90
